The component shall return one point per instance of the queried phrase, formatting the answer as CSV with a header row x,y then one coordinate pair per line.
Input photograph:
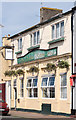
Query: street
x,y
19,115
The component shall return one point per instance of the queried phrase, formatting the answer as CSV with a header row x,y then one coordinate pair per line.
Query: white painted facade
x,y
45,37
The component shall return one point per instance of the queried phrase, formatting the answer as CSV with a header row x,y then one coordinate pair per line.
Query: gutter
x,y
72,58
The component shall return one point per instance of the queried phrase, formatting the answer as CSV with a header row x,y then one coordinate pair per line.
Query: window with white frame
x,y
22,87
19,43
58,30
48,87
32,87
63,86
35,38
53,32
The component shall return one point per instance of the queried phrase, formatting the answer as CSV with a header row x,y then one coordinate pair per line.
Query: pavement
x,y
38,116
21,115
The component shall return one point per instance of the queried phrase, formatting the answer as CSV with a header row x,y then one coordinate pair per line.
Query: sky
x,y
18,16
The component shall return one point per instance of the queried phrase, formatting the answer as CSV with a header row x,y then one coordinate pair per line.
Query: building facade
x,y
5,64
41,87
73,77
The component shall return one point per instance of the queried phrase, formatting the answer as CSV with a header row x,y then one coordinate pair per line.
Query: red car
x,y
4,109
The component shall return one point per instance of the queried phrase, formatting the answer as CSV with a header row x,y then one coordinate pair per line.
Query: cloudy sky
x,y
18,16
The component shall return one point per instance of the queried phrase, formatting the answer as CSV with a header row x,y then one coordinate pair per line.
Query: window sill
x,y
33,47
19,52
63,99
32,97
21,97
56,40
49,98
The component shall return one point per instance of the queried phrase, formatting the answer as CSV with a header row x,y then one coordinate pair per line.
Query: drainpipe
x,y
72,25
72,58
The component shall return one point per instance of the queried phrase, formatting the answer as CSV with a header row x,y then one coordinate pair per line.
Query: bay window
x,y
48,87
32,87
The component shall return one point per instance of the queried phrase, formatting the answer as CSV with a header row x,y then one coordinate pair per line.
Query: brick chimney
x,y
47,13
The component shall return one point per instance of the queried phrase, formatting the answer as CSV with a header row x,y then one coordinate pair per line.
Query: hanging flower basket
x,y
50,67
63,64
20,72
33,69
10,73
14,73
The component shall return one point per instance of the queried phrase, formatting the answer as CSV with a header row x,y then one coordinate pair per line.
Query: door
x,y
15,89
8,93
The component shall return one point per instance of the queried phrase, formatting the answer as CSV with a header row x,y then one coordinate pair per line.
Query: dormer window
x,y
19,43
35,38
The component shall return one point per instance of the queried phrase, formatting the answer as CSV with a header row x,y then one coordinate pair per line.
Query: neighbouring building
x,y
49,43
5,64
73,76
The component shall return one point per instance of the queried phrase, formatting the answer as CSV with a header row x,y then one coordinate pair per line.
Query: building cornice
x,y
42,60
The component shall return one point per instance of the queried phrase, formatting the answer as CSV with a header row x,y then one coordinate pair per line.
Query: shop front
x,y
45,82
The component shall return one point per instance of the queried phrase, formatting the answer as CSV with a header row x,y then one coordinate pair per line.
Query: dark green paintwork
x,y
37,54
18,52
33,47
55,41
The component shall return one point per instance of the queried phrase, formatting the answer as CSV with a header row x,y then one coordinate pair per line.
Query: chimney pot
x,y
5,35
8,35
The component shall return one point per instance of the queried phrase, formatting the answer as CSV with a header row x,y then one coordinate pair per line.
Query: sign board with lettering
x,y
37,54
9,54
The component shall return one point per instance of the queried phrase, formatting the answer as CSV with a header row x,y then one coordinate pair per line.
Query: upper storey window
x,y
58,30
19,43
34,38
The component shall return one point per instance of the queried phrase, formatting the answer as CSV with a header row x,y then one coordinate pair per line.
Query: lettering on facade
x,y
38,54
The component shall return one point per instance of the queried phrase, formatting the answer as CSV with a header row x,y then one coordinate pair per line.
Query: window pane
x,y
30,92
29,83
57,30
44,81
31,40
22,83
22,92
63,92
52,92
45,92
63,80
53,32
35,38
34,82
62,29
20,43
51,81
35,92
38,37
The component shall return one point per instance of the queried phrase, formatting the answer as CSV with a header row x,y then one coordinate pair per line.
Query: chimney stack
x,y
47,13
5,41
